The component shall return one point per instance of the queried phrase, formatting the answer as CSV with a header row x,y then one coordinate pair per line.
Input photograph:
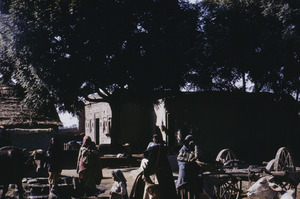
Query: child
x,y
119,188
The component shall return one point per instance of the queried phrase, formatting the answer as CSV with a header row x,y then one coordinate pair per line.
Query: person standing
x,y
86,167
155,178
54,162
119,187
155,141
188,184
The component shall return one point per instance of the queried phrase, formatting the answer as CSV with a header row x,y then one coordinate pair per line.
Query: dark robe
x,y
158,164
54,158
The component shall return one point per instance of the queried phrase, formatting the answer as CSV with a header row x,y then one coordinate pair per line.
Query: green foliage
x,y
7,48
68,49
247,37
63,50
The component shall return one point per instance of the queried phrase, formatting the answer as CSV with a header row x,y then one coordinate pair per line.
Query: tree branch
x,y
102,93
87,98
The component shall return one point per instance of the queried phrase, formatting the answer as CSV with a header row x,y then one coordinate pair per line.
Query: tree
x,y
119,49
246,37
291,35
7,48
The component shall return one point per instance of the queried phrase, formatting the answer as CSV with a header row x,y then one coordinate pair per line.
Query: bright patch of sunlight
x,y
68,119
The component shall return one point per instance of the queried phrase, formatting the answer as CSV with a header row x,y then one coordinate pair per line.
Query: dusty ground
x,y
107,181
130,174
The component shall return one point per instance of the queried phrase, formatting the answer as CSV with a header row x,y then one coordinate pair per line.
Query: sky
x,y
68,120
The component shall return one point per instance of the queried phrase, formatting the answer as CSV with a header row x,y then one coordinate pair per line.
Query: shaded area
x,y
253,125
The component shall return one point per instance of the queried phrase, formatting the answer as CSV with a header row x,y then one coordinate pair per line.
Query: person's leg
x,y
90,182
51,180
4,191
56,179
81,183
20,189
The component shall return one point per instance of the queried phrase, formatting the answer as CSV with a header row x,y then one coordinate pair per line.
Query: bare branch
x,y
87,98
102,93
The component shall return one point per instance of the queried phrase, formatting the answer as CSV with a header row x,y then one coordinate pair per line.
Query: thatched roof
x,y
14,114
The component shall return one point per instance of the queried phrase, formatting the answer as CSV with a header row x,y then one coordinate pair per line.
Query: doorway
x,y
97,132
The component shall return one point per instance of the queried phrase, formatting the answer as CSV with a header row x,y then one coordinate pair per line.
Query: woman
x,y
119,188
155,179
188,184
86,166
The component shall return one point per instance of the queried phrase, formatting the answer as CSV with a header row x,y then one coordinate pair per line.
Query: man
x,y
155,141
54,163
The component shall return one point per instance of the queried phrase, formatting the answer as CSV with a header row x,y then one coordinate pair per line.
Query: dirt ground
x,y
130,174
107,181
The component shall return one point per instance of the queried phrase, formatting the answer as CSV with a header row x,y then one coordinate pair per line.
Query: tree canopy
x,y
123,50
62,51
68,49
254,39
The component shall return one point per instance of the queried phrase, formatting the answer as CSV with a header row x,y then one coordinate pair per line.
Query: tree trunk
x,y
117,100
115,125
256,86
244,82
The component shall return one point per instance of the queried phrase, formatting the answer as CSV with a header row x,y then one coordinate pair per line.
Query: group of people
x,y
90,173
87,166
154,179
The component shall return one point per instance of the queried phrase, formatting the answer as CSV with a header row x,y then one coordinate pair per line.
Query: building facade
x,y
98,118
137,124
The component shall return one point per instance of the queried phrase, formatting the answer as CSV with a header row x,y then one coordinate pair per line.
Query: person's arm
x,y
48,155
85,155
198,152
184,156
123,189
78,160
118,189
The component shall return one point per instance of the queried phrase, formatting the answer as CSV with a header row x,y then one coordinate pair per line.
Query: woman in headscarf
x,y
86,166
119,187
188,184
155,179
